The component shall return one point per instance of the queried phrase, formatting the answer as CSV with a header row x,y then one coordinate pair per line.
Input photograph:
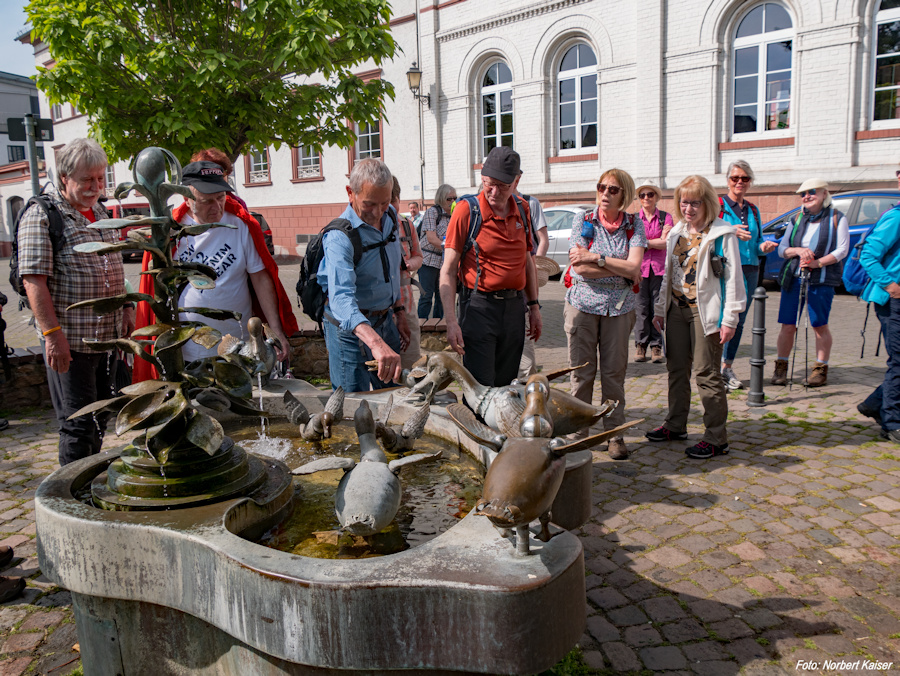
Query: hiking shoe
x,y
781,372
657,355
868,412
10,588
617,449
731,381
703,450
4,423
640,353
890,435
663,433
818,377
6,556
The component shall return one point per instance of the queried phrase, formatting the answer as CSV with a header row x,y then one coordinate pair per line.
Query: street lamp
x,y
414,78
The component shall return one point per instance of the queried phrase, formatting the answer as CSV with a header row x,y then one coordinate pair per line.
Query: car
x,y
559,227
862,208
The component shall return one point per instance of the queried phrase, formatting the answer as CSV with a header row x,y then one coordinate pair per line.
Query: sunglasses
x,y
646,195
898,173
811,191
451,198
695,204
739,179
613,189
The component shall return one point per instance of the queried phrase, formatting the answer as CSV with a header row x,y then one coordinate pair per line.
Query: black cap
x,y
206,177
501,163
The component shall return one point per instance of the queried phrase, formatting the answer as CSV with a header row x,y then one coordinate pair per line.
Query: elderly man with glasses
x,y
494,270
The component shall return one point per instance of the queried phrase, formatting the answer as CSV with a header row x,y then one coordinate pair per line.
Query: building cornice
x,y
492,22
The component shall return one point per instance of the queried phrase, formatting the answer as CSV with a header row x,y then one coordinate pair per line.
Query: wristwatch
x,y
534,302
601,262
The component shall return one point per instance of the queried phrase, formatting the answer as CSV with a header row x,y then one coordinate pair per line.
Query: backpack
x,y
855,277
475,222
56,227
588,216
311,297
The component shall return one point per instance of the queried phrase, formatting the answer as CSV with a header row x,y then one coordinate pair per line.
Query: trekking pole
x,y
804,284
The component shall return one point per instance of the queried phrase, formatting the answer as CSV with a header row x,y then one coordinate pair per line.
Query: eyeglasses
x,y
694,204
647,195
613,189
898,173
739,179
811,191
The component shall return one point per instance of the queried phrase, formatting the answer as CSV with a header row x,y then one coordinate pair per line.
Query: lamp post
x,y
414,78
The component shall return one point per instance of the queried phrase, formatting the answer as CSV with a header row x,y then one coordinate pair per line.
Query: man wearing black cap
x,y
231,253
495,271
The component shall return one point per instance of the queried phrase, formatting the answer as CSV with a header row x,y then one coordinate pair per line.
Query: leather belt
x,y
500,294
375,313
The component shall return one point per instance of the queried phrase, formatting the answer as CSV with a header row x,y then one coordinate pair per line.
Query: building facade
x,y
662,89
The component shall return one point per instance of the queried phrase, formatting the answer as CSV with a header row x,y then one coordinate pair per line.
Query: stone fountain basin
x,y
188,591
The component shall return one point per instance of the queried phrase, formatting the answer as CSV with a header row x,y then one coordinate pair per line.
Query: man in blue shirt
x,y
364,318
880,257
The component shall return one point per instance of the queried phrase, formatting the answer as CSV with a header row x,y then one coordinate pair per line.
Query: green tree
x,y
226,73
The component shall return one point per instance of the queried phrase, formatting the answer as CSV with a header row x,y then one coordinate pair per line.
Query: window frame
x,y
56,112
575,74
761,41
495,90
296,165
881,16
248,169
9,153
109,179
372,133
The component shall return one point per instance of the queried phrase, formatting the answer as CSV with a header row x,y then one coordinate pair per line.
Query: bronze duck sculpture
x,y
401,439
315,427
502,407
256,354
522,481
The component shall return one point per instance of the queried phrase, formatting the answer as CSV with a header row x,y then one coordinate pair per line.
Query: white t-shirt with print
x,y
233,256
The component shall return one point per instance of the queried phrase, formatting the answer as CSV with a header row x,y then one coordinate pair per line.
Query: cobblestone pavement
x,y
781,557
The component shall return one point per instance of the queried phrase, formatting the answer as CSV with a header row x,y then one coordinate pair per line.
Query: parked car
x,y
862,208
559,227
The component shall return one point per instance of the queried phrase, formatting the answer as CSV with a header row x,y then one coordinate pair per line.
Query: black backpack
x,y
56,241
311,297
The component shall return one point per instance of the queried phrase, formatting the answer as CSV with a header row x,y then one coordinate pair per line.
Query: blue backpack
x,y
855,277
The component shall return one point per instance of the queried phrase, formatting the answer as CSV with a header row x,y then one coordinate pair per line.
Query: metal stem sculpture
x,y
183,457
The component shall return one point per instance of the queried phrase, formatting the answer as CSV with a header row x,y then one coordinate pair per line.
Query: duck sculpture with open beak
x,y
315,427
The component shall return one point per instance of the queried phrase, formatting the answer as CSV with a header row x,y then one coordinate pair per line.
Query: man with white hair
x,y
364,316
57,277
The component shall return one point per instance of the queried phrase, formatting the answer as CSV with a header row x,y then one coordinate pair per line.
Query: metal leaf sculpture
x,y
163,409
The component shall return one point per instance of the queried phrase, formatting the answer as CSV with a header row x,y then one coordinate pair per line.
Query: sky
x,y
14,56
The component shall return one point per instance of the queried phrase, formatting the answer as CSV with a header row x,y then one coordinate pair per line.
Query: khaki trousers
x,y
687,348
592,336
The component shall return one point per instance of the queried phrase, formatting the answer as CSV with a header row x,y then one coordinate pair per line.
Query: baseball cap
x,y
501,163
206,177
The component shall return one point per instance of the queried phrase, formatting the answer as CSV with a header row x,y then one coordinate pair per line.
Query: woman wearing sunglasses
x,y
701,299
657,224
606,248
813,247
744,216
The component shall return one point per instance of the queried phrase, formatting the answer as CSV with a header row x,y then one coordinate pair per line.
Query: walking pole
x,y
804,284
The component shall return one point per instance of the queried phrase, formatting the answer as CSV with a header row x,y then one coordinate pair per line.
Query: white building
x,y
798,88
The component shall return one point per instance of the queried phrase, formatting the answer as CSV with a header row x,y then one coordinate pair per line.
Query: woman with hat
x,y
744,216
813,247
657,224
606,248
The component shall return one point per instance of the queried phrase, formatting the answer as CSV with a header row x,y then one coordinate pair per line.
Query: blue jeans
x,y
347,355
751,276
886,397
428,278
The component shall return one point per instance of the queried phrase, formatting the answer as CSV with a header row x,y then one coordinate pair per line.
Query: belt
x,y
376,313
500,294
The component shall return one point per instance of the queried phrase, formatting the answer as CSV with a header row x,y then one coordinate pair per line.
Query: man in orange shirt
x,y
493,272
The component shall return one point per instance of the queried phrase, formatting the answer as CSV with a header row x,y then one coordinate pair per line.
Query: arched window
x,y
762,70
578,99
887,61
496,108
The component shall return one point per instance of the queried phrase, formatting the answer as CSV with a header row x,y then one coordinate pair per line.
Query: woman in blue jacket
x,y
744,216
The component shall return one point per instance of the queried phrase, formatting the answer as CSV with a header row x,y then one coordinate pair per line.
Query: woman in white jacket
x,y
701,299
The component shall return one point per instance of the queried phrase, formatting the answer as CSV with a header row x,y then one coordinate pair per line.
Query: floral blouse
x,y
607,296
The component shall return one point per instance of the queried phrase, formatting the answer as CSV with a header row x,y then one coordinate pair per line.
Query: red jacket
x,y
144,370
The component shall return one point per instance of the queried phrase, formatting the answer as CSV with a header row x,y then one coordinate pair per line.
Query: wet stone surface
x,y
782,554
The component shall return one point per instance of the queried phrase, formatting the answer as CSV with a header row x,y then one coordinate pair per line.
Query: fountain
x,y
159,546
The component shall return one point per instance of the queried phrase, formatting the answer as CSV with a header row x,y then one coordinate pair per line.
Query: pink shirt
x,y
654,258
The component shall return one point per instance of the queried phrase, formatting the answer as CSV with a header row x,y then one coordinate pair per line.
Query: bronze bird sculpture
x,y
318,426
502,407
256,354
401,439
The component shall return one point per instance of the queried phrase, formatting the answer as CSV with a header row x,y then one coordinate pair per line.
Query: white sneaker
x,y
731,380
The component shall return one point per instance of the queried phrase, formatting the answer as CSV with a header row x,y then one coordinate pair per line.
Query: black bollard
x,y
756,396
